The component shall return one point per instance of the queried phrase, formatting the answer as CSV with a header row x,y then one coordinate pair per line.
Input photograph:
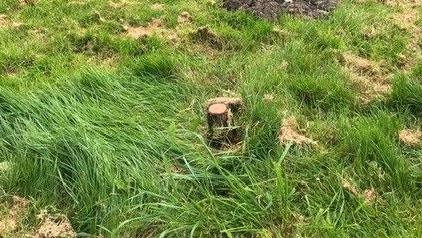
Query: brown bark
x,y
217,115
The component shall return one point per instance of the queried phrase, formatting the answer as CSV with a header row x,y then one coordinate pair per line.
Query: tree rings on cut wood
x,y
221,128
218,115
234,104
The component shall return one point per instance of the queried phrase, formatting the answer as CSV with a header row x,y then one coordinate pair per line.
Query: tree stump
x,y
217,115
221,129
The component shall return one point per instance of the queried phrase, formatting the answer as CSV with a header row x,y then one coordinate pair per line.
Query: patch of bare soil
x,y
49,226
368,76
208,37
350,187
271,9
27,2
407,18
118,5
155,27
401,2
157,7
369,195
411,137
184,18
290,133
4,166
6,22
9,222
53,226
78,3
269,97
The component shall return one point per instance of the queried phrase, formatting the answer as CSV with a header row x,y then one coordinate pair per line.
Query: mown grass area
x,y
110,130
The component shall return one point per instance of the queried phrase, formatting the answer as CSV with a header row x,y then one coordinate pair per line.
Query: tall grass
x,y
110,130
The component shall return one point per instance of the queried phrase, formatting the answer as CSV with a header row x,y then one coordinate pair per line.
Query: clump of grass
x,y
407,93
156,64
323,93
372,141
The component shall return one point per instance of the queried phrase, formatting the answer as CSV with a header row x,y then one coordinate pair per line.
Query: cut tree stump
x,y
234,104
218,115
221,129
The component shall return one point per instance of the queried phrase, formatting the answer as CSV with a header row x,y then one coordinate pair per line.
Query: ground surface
x,y
271,9
102,129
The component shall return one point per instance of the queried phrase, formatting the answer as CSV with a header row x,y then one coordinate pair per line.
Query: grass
x,y
109,130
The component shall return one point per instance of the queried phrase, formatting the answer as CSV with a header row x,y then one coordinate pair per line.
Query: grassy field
x,y
102,119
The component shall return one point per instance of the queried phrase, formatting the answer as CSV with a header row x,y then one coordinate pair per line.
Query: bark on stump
x,y
221,130
218,116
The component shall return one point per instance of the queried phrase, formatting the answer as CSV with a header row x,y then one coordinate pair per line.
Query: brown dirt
x,y
155,27
271,9
368,76
4,166
411,137
289,133
53,226
49,226
207,37
23,3
9,222
350,187
157,7
118,5
177,169
269,97
407,19
370,195
359,64
4,20
184,18
401,2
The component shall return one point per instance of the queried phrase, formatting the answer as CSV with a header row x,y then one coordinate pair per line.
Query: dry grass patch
x,y
23,3
411,137
407,18
368,76
5,21
184,18
369,195
155,27
401,2
157,7
53,225
290,133
10,222
49,225
118,5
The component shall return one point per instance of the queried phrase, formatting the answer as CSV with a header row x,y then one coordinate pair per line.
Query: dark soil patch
x,y
271,9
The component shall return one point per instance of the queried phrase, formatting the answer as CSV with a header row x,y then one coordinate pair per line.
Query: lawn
x,y
103,125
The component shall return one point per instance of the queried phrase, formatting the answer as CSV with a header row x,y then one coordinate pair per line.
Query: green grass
x,y
111,131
